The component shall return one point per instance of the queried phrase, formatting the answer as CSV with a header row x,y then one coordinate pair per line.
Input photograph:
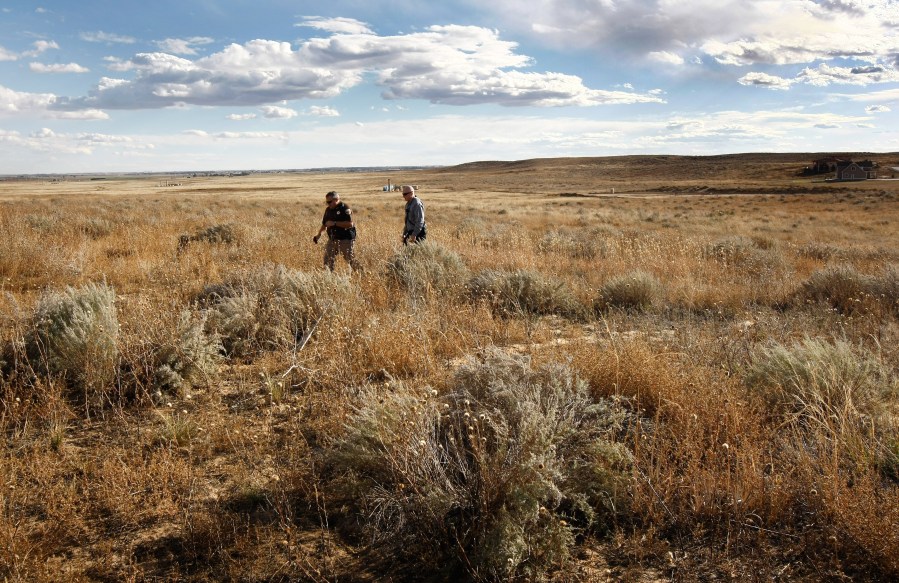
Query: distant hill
x,y
652,173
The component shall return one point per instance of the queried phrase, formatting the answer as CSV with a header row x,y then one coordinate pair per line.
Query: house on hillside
x,y
826,165
850,171
855,170
842,168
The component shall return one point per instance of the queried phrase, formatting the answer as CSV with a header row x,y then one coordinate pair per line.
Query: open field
x,y
636,368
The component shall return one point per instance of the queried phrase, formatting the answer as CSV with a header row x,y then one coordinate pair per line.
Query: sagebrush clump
x,y
427,268
74,335
834,396
271,308
524,292
637,290
498,475
842,287
189,358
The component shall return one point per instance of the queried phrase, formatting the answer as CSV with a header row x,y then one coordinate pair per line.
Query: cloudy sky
x,y
174,85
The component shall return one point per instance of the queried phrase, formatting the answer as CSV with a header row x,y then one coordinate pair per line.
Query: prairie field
x,y
601,369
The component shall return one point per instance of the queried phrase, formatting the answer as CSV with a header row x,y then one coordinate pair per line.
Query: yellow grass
x,y
223,480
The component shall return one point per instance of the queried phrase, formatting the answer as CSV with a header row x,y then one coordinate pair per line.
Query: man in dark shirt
x,y
414,231
341,228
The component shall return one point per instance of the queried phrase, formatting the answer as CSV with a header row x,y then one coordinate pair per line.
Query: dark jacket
x,y
340,213
415,218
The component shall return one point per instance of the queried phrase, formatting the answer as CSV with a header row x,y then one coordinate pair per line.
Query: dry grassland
x,y
693,378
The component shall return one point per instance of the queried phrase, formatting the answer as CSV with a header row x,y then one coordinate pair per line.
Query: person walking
x,y
338,223
414,230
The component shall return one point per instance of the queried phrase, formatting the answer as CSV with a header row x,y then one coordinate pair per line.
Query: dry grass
x,y
201,410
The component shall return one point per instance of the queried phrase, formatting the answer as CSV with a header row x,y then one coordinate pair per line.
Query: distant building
x,y
827,165
843,168
850,171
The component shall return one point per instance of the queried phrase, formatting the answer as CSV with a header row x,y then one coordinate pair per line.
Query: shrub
x,y
818,250
225,233
524,292
75,335
753,258
886,288
271,308
96,227
190,357
841,286
637,290
574,244
499,476
817,384
427,268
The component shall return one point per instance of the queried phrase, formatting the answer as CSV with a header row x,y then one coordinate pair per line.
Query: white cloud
x,y
241,116
336,25
106,37
877,109
825,75
275,112
323,111
665,57
449,139
6,55
103,138
884,96
40,46
183,46
18,104
15,102
84,114
280,136
732,32
456,65
57,68
765,80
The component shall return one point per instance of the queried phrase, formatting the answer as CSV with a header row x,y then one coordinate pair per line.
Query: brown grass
x,y
219,477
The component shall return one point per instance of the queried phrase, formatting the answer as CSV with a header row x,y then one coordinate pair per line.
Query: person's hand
x,y
329,224
315,239
412,238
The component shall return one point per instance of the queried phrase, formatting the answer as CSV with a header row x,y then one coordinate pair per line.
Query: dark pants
x,y
343,247
422,235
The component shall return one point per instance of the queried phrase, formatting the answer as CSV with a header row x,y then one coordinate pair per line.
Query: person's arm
x,y
321,230
416,219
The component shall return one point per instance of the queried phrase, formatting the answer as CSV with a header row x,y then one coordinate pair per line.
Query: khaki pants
x,y
343,247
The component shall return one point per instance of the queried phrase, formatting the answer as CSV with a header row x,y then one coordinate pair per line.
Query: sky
x,y
204,85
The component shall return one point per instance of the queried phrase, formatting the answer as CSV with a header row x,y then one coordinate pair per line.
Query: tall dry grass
x,y
709,387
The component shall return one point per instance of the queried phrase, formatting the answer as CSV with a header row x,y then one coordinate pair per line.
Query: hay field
x,y
692,377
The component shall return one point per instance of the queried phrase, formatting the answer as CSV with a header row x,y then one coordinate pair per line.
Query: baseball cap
x,y
408,190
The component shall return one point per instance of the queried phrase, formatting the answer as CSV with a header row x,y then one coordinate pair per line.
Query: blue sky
x,y
176,85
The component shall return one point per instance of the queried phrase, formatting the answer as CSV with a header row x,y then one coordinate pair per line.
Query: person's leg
x,y
330,253
347,250
350,255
